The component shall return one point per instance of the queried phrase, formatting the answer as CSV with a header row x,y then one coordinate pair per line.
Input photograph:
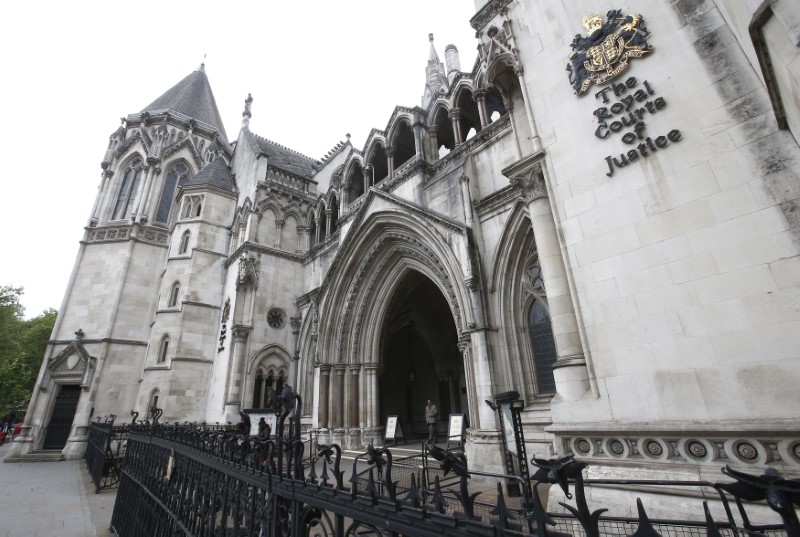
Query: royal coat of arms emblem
x,y
603,54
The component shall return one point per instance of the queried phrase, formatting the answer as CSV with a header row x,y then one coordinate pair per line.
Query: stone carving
x,y
654,448
531,183
697,449
762,449
249,268
616,447
747,451
276,318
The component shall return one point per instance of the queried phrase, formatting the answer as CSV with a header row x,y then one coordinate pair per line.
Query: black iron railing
x,y
194,480
105,447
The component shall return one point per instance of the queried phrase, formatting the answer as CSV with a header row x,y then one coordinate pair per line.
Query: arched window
x,y
184,246
543,345
258,391
127,190
163,347
177,175
173,295
152,402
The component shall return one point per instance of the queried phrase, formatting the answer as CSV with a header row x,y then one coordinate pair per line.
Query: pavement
x,y
51,498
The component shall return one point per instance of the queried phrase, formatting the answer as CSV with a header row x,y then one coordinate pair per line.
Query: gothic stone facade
x,y
625,258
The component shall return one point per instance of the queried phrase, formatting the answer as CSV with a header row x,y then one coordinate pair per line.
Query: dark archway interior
x,y
420,357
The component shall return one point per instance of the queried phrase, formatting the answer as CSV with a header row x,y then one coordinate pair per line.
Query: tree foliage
x,y
22,346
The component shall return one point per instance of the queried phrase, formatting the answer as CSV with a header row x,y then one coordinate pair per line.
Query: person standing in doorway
x,y
430,418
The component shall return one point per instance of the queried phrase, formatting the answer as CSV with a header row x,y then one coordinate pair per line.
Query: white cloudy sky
x,y
317,70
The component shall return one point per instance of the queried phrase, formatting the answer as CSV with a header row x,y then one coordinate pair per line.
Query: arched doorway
x,y
420,357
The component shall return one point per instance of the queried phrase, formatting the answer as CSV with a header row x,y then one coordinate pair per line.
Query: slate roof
x,y
286,159
192,97
216,174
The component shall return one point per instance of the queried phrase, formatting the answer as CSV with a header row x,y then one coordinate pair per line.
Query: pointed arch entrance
x,y
420,359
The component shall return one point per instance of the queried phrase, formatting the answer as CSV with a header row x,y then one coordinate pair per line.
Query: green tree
x,y
22,346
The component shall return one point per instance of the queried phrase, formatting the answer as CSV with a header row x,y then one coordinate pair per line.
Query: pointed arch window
x,y
544,347
184,246
127,189
174,294
163,348
176,176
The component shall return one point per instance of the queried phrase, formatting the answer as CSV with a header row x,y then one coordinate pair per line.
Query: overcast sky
x,y
316,69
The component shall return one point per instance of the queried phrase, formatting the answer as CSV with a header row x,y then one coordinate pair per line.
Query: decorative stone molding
x,y
407,246
743,448
487,13
527,175
249,269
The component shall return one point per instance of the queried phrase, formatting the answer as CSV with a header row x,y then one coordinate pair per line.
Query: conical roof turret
x,y
191,97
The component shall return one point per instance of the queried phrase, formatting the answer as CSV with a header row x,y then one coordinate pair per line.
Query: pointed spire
x,y
191,97
432,57
246,115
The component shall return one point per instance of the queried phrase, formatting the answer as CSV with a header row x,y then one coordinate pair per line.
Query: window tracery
x,y
176,176
127,190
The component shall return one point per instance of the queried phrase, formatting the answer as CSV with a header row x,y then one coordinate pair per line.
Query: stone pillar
x,y
370,405
455,117
475,350
480,97
466,198
353,418
433,143
328,223
390,160
278,230
102,194
417,128
570,369
306,239
537,143
338,396
344,198
367,177
233,394
324,395
140,189
318,221
147,198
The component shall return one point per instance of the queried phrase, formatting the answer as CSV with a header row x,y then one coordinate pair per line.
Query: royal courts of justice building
x,y
602,214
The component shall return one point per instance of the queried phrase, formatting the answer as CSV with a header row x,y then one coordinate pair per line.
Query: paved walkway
x,y
51,498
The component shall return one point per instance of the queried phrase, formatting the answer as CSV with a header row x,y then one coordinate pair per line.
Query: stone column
x,y
102,194
371,396
354,404
390,160
475,350
324,395
328,223
338,396
480,97
570,369
140,205
455,117
367,177
417,128
234,395
278,230
344,198
318,221
433,143
537,143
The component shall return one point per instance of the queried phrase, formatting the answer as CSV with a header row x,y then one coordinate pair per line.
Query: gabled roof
x,y
216,174
286,159
193,98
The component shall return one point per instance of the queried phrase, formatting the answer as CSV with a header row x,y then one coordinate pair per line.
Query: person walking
x,y
430,418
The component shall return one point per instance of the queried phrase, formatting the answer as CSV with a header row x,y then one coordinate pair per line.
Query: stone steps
x,y
41,455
